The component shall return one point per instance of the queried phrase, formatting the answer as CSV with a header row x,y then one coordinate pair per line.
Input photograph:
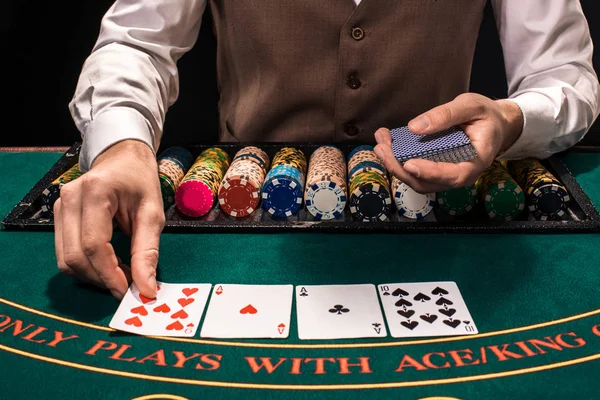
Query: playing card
x,y
176,311
248,311
425,309
451,145
338,312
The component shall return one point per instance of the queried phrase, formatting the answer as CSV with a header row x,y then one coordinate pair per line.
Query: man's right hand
x,y
122,185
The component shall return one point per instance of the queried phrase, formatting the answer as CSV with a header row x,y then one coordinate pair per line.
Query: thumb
x,y
145,238
462,109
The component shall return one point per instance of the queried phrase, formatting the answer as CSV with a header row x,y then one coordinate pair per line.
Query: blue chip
x,y
366,166
282,194
179,155
360,148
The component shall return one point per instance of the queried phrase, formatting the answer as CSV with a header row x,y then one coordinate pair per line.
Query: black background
x,y
44,45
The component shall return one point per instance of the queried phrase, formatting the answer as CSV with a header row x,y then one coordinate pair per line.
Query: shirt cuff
x,y
110,128
539,125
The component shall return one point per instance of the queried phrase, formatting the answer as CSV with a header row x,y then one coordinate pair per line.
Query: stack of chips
x,y
370,198
284,184
239,193
195,195
502,196
457,202
546,196
326,191
173,163
409,203
52,192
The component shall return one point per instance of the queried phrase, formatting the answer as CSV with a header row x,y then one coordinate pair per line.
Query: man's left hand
x,y
492,125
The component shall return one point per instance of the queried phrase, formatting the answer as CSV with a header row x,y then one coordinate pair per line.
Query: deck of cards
x,y
451,145
324,312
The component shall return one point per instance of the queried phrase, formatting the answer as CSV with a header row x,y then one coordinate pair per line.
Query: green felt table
x,y
534,297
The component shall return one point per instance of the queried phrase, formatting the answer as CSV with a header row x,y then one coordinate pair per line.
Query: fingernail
x,y
152,282
419,124
380,153
412,169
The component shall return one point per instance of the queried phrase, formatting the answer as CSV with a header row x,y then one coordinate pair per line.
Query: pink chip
x,y
194,198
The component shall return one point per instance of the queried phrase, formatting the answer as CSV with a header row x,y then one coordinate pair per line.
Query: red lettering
x,y
483,355
59,337
595,330
33,334
296,363
579,342
117,354
214,360
549,343
18,327
182,359
101,345
523,346
363,364
427,361
408,361
459,358
158,357
265,362
504,354
6,320
319,364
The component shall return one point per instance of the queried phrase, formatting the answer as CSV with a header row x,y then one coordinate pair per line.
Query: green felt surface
x,y
518,288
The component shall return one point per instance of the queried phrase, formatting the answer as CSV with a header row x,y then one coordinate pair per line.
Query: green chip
x,y
167,189
504,201
457,201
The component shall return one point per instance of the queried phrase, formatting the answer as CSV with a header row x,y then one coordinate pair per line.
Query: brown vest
x,y
328,71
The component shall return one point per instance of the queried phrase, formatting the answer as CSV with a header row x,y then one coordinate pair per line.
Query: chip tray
x,y
581,215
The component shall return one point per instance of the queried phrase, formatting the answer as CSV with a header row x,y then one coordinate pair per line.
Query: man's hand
x,y
492,126
123,185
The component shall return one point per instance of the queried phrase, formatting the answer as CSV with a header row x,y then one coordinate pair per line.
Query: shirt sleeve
x,y
130,78
548,59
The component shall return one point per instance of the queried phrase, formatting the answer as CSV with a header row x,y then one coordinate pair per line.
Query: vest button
x,y
357,33
353,82
351,129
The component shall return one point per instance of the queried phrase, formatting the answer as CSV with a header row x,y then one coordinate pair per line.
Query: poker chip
x,y
325,195
366,166
194,198
238,197
49,197
167,190
283,188
52,192
546,196
282,196
458,201
370,199
325,200
548,201
360,148
409,203
173,163
196,194
239,192
501,195
370,202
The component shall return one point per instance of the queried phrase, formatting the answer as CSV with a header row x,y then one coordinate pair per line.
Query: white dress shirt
x,y
130,79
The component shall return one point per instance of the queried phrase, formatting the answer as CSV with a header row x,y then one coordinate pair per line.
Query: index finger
x,y
446,174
